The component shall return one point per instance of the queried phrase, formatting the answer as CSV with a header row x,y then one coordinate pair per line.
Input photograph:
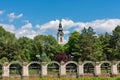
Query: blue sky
x,y
32,17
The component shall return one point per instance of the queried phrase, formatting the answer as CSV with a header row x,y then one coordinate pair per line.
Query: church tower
x,y
60,34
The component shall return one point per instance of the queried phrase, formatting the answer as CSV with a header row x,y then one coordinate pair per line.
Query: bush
x,y
4,59
62,57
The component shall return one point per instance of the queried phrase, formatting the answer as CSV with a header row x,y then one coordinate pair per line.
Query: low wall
x,y
62,69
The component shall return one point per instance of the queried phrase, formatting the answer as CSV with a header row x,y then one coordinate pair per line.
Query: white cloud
x,y
8,27
12,16
50,26
66,32
1,12
65,40
27,26
100,26
27,31
67,23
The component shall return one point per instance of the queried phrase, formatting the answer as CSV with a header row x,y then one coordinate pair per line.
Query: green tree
x,y
8,45
48,46
73,47
85,46
91,48
26,48
115,43
107,50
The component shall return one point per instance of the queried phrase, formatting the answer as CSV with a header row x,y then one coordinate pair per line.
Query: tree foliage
x,y
84,45
8,45
115,43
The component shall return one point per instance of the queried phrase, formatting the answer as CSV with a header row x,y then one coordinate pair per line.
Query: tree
x,y
107,50
85,46
90,45
90,31
26,48
37,47
72,47
48,46
115,43
8,45
81,46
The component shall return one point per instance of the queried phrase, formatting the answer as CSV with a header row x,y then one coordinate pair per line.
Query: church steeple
x,y
60,34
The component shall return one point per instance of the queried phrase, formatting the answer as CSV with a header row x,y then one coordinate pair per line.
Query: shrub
x,y
4,59
62,57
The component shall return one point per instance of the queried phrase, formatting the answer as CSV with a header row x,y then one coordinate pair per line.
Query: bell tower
x,y
60,34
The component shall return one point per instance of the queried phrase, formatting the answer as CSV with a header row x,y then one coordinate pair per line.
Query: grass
x,y
53,71
33,71
94,78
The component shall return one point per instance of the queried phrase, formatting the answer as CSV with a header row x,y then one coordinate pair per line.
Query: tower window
x,y
61,34
60,39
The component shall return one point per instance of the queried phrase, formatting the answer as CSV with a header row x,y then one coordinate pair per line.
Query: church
x,y
60,34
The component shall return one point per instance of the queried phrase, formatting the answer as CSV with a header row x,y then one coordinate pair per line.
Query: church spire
x,y
60,26
60,34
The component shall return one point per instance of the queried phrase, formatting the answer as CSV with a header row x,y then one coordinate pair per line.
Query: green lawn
x,y
94,78
33,71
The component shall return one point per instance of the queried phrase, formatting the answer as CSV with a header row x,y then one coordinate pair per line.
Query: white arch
x,y
118,62
15,62
73,62
52,62
102,62
34,62
89,62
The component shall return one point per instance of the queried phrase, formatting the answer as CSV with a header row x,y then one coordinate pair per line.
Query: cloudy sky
x,y
33,17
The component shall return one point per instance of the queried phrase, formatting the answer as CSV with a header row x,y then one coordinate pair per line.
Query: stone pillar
x,y
97,69
25,70
43,69
114,71
62,69
5,73
80,69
